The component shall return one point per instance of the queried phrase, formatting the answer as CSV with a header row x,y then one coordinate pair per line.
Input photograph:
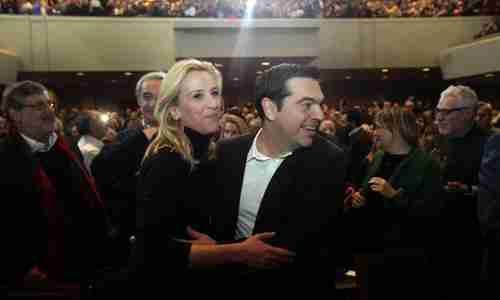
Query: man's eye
x,y
215,93
198,96
308,105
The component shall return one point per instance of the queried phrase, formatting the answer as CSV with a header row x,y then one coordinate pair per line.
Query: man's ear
x,y
269,108
15,116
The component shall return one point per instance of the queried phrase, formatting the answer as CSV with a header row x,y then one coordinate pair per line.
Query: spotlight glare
x,y
105,118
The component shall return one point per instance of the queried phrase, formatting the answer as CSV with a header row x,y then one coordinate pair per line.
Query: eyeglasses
x,y
40,106
445,112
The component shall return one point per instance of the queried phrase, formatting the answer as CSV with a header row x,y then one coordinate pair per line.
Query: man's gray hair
x,y
149,76
14,95
467,95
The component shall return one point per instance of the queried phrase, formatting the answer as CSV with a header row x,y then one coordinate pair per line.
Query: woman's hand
x,y
378,184
357,200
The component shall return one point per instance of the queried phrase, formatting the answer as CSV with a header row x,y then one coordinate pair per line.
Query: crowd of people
x,y
253,8
276,195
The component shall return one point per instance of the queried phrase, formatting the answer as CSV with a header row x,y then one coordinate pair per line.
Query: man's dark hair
x,y
83,124
273,83
14,95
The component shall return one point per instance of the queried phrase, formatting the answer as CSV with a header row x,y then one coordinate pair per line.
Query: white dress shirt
x,y
259,170
89,147
36,146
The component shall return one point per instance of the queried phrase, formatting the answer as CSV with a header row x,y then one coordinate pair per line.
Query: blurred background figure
x,y
92,133
233,126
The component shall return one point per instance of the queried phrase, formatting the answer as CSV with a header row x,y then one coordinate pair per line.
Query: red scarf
x,y
51,264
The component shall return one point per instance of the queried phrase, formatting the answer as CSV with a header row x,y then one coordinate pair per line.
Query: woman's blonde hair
x,y
400,121
170,133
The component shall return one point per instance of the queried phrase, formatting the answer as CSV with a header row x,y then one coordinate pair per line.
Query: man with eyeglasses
x,y
461,151
116,165
54,224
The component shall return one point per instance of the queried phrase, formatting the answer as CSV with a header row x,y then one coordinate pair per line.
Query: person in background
x,y
395,213
115,167
56,225
461,151
489,210
92,133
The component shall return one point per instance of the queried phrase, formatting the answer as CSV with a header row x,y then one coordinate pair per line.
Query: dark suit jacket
x,y
303,204
115,171
489,204
25,222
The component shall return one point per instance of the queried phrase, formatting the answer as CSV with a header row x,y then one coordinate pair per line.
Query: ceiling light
x,y
489,75
236,79
113,81
348,77
385,77
80,74
426,69
127,74
265,63
385,70
259,72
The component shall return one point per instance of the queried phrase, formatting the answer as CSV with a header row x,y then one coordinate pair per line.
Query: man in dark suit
x,y
54,224
461,150
489,208
116,165
280,180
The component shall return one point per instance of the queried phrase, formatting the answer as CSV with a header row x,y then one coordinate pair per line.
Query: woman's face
x,y
229,130
382,137
200,103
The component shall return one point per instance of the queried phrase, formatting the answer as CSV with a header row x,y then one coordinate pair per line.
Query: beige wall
x,y
115,44
405,42
9,64
471,59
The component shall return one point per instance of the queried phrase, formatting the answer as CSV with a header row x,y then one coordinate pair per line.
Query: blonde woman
x,y
174,184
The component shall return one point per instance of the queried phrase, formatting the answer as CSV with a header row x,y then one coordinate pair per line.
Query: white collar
x,y
254,153
91,141
37,146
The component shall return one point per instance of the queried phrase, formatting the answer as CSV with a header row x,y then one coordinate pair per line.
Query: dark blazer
x,y
489,206
25,220
302,204
400,236
415,210
115,171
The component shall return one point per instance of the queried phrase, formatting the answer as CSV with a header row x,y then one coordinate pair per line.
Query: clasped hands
x,y
253,251
376,184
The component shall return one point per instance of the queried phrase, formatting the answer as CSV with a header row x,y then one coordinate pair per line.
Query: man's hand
x,y
255,252
199,238
35,275
382,186
456,185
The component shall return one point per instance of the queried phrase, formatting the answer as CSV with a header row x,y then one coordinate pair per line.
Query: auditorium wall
x,y
9,64
115,44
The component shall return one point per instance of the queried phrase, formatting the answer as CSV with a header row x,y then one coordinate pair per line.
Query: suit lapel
x,y
232,166
277,197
